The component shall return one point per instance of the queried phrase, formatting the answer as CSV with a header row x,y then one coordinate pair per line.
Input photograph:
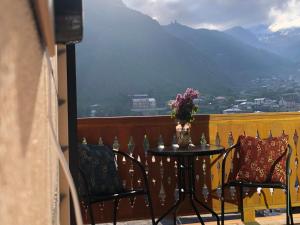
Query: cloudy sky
x,y
222,14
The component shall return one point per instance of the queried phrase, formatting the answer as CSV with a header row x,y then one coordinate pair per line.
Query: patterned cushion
x,y
98,164
262,160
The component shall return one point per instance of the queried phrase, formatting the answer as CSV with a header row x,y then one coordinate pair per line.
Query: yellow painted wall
x,y
227,127
28,84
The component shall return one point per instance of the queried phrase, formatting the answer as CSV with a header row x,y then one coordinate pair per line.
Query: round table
x,y
186,165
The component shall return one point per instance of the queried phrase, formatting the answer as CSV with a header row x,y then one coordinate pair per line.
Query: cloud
x,y
287,17
218,14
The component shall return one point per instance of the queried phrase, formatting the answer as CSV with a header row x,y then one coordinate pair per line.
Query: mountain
x,y
245,36
260,30
285,43
125,52
241,61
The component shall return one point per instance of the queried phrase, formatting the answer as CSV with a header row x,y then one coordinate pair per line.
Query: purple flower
x,y
191,94
183,107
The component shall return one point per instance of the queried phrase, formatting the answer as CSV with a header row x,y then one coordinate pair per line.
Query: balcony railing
x,y
137,134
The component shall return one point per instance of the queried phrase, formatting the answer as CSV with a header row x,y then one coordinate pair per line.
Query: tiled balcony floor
x,y
270,220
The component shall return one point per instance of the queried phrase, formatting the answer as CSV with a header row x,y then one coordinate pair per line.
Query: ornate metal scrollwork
x,y
230,139
218,140
131,146
116,144
203,141
146,144
162,194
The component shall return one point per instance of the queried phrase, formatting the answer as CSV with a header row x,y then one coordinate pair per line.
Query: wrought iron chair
x,y
263,163
99,178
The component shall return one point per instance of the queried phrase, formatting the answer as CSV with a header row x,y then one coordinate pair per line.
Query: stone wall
x,y
28,98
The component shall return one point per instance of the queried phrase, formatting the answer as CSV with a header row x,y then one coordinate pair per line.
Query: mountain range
x,y
285,43
125,52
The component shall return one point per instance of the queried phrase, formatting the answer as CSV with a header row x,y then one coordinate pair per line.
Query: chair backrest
x,y
262,160
99,167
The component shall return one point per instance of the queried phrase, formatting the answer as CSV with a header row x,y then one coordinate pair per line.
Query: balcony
x,y
137,134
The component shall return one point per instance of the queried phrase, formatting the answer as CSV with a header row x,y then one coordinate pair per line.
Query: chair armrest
x,y
225,155
140,165
289,153
287,165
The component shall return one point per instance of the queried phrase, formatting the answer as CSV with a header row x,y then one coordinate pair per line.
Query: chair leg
x,y
241,203
287,198
223,192
290,212
174,218
222,205
116,202
91,214
151,207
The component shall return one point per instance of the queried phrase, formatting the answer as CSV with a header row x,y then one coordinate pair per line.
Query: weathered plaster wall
x,y
28,98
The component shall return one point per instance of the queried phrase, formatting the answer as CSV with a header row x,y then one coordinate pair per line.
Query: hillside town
x,y
274,94
263,95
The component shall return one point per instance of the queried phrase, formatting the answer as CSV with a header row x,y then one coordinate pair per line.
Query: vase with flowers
x,y
183,109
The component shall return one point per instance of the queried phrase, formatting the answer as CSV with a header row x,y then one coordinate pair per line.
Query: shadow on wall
x,y
22,64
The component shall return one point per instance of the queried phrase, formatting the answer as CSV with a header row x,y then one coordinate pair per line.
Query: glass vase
x,y
183,135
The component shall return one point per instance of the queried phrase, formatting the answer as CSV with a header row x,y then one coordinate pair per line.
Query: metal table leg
x,y
187,163
174,207
181,188
192,190
196,211
208,209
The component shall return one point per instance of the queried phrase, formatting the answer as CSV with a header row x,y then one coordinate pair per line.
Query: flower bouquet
x,y
183,109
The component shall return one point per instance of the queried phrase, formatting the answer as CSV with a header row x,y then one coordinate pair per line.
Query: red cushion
x,y
262,160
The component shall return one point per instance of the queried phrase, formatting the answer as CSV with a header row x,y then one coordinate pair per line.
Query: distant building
x,y
265,105
232,110
220,98
286,104
246,106
142,101
259,101
143,105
